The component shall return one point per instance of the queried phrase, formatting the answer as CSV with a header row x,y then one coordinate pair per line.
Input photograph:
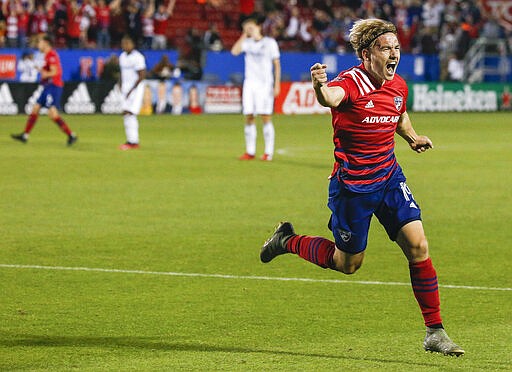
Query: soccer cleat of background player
x,y
262,83
51,79
368,106
133,72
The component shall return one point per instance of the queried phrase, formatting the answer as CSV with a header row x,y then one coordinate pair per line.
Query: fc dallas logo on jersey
x,y
398,102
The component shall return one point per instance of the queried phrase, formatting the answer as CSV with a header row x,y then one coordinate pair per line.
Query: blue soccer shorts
x,y
393,205
50,96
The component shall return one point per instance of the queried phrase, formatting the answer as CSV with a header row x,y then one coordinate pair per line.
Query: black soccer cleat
x,y
72,138
275,245
22,137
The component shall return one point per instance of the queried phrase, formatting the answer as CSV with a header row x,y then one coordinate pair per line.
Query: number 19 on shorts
x,y
406,191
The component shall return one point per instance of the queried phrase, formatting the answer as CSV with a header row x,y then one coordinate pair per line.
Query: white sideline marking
x,y
248,277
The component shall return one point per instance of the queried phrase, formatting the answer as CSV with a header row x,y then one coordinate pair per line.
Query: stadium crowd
x,y
431,27
85,23
444,28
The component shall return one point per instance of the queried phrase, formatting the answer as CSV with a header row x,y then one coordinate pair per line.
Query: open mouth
x,y
391,67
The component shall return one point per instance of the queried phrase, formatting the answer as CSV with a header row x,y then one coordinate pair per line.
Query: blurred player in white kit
x,y
133,71
262,84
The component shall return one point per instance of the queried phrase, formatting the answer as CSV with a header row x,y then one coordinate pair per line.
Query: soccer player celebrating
x,y
51,78
133,72
368,106
262,83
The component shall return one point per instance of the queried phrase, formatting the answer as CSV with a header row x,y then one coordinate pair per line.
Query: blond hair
x,y
365,31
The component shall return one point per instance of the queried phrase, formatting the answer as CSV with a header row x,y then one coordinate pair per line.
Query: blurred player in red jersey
x,y
368,106
51,78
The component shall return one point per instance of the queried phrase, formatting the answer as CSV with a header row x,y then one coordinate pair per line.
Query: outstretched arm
x,y
150,9
407,132
114,4
326,96
170,7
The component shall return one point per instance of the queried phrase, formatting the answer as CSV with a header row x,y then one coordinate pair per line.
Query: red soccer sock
x,y
63,126
314,249
424,285
31,121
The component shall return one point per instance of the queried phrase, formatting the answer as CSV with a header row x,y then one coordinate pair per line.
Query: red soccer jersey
x,y
52,59
364,128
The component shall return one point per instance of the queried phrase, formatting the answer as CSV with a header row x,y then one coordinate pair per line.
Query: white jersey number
x,y
406,191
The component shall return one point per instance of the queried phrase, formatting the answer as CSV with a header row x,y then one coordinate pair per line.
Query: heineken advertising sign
x,y
459,97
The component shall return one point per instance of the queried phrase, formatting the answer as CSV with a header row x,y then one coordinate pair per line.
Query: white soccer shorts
x,y
257,99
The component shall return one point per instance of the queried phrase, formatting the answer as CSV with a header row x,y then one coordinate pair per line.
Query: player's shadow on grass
x,y
157,344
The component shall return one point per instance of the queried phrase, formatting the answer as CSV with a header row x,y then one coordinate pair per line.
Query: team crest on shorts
x,y
345,235
398,102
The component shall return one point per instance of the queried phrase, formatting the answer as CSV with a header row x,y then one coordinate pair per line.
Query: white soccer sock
x,y
250,138
131,128
269,136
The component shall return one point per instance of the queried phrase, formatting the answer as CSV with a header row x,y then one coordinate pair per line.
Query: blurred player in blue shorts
x,y
368,106
51,79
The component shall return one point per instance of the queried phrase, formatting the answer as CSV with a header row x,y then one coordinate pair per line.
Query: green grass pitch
x,y
184,204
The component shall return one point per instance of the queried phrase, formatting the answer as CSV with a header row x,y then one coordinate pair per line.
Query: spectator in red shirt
x,y
117,23
103,24
161,23
406,36
39,20
23,21
74,20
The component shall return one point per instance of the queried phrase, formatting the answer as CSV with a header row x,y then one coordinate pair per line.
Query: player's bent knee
x,y
347,269
36,109
418,251
53,114
346,263
350,269
419,244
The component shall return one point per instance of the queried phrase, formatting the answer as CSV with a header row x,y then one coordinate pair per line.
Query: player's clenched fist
x,y
318,74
